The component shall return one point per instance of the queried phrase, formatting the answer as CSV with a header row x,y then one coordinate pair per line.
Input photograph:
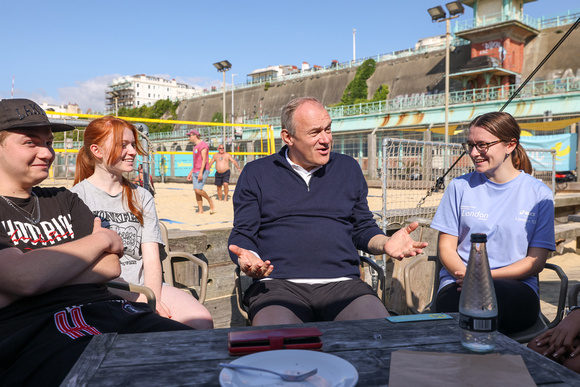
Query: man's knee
x,y
364,307
275,315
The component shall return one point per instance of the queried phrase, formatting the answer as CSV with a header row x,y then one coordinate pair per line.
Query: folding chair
x,y
200,268
151,301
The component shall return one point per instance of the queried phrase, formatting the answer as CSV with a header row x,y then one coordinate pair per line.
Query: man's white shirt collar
x,y
304,174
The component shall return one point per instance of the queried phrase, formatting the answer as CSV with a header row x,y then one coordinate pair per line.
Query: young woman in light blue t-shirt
x,y
516,211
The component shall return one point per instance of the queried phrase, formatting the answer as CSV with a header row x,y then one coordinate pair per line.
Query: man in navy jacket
x,y
301,216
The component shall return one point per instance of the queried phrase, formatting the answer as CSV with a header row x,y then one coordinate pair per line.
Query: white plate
x,y
333,371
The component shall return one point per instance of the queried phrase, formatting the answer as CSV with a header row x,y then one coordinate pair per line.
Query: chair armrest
x,y
573,295
380,272
561,296
417,260
239,292
151,301
196,260
376,267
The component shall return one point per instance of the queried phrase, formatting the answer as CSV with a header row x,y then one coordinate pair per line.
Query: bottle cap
x,y
478,238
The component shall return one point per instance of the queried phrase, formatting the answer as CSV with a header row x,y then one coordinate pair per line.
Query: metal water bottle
x,y
478,304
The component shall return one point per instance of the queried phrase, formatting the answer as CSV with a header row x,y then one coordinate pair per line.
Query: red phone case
x,y
245,342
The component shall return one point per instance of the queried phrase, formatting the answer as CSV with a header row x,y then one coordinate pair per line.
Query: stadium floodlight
x,y
437,13
455,8
222,67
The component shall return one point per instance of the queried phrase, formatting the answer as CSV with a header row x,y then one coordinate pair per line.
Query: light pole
x,y
455,9
353,45
115,94
233,128
222,67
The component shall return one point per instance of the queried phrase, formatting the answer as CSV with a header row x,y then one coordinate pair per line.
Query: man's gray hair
x,y
288,110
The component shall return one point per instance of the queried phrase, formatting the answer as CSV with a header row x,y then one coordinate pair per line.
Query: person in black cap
x,y
54,261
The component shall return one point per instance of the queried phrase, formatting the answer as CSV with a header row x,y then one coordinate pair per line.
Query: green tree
x,y
381,93
217,117
357,89
163,108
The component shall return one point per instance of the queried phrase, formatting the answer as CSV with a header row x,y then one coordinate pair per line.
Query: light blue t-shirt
x,y
514,215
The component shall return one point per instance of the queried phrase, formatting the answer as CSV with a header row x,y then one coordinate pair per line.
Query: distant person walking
x,y
222,161
140,180
201,167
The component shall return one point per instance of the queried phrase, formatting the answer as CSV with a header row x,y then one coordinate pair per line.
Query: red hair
x,y
98,132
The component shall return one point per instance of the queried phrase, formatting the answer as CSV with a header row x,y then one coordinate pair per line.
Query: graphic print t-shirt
x,y
64,218
124,223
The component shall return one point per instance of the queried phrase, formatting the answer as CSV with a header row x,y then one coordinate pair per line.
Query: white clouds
x,y
39,96
89,94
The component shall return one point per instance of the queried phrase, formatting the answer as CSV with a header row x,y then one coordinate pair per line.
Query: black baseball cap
x,y
24,113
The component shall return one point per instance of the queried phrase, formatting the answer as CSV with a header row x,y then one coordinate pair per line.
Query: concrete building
x,y
143,90
271,73
69,108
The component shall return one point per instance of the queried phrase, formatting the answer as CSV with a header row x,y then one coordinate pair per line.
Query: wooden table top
x,y
191,357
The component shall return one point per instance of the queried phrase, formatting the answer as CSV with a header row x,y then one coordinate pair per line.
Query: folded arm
x,y
94,258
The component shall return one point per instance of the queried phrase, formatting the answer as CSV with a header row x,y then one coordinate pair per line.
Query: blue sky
x,y
67,51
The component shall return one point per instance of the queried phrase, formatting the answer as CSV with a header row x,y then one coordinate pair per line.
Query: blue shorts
x,y
199,184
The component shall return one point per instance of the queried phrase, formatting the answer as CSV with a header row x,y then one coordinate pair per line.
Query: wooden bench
x,y
570,230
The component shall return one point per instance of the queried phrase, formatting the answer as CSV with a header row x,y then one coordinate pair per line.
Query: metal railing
x,y
495,18
410,169
420,101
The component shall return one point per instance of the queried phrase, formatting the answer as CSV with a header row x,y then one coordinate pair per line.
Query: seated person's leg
x,y
277,301
365,307
275,315
49,346
185,308
518,305
348,300
39,355
447,300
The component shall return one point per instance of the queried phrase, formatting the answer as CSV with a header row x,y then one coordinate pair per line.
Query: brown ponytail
x,y
520,159
506,128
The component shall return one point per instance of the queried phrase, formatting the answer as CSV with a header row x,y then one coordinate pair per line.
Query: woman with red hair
x,y
110,150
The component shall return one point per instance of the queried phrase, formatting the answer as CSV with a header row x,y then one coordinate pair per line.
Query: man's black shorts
x,y
321,302
221,178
